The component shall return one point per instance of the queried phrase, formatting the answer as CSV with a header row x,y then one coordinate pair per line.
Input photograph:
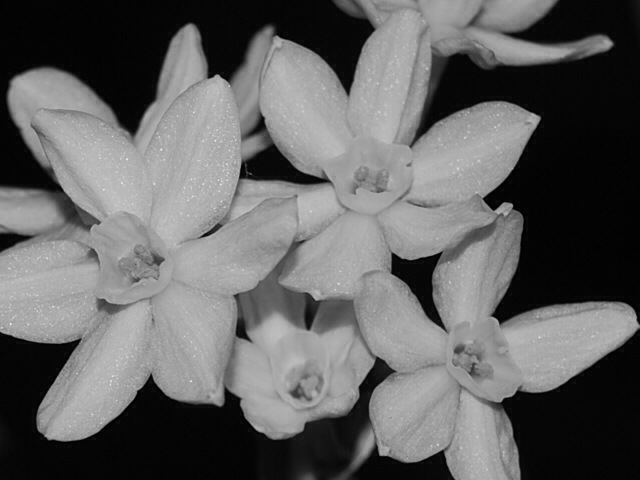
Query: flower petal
x,y
447,41
193,338
394,325
510,15
414,414
249,371
102,376
416,232
350,357
470,152
252,145
50,88
471,278
194,162
236,257
329,264
184,64
244,81
271,311
31,212
304,106
483,447
74,229
391,79
273,417
553,344
513,51
318,205
96,165
46,291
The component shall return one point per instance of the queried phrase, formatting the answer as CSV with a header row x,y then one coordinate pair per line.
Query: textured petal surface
x,y
483,447
391,66
32,212
184,65
471,278
318,205
101,377
416,232
47,291
304,106
394,325
414,414
244,81
193,338
194,162
513,51
553,344
50,88
470,152
97,166
236,257
512,15
329,264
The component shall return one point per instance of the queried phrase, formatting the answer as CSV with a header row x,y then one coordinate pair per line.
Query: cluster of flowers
x,y
142,254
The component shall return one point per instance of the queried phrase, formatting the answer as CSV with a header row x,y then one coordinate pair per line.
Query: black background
x,y
576,185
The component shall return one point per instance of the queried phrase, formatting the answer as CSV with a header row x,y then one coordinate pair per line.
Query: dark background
x,y
576,185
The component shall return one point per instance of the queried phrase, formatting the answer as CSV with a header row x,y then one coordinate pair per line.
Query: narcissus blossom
x,y
446,392
33,212
478,28
288,375
147,296
382,195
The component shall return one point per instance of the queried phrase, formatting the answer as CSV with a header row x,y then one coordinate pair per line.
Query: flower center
x,y
300,369
134,262
371,175
478,358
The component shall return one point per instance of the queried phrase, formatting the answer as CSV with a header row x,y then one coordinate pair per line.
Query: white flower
x,y
444,392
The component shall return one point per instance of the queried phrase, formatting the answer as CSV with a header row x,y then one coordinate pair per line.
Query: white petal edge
x,y
553,344
510,15
28,211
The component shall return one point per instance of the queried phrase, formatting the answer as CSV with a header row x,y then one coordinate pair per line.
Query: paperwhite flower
x,y
444,392
478,27
34,212
382,195
147,295
288,375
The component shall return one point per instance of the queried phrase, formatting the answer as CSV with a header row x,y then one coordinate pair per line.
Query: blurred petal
x,y
271,311
236,257
553,344
416,232
472,277
304,106
273,417
414,414
470,152
249,371
184,65
512,15
394,324
483,447
392,66
74,229
450,41
351,360
55,89
252,145
513,51
194,333
329,264
47,291
102,376
244,81
31,212
194,162
318,205
96,165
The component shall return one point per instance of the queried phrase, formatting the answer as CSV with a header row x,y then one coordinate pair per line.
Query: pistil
x,y
469,358
305,382
375,181
142,264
